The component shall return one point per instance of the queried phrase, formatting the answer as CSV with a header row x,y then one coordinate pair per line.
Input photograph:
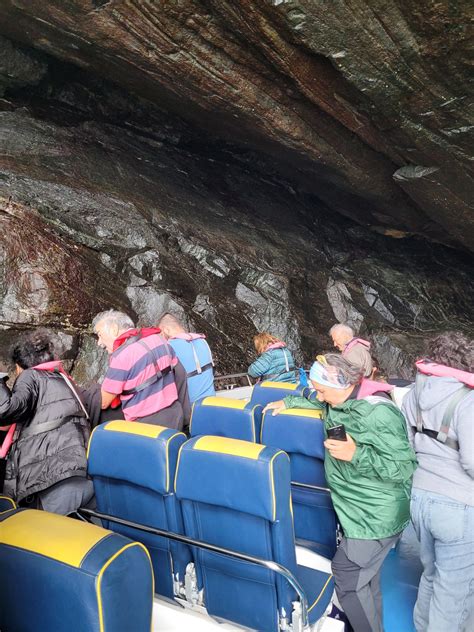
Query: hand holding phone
x,y
338,433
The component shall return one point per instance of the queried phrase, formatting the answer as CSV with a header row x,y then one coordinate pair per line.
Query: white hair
x,y
113,317
343,329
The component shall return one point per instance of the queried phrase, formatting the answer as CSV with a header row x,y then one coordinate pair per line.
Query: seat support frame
x,y
300,622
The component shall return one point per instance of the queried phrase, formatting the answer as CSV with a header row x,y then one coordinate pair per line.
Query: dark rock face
x,y
345,94
107,200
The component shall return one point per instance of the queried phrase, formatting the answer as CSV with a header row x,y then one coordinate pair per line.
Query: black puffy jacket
x,y
52,432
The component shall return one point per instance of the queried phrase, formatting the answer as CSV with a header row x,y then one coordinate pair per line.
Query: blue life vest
x,y
196,357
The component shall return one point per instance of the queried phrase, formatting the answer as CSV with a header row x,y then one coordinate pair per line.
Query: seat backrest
x,y
132,466
265,392
225,417
6,504
236,494
300,432
61,574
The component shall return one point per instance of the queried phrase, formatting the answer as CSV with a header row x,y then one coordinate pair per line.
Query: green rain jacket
x,y
371,493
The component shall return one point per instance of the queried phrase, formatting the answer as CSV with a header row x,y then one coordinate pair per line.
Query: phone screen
x,y
337,432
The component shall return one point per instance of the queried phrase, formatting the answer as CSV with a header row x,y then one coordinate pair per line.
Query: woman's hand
x,y
342,450
277,407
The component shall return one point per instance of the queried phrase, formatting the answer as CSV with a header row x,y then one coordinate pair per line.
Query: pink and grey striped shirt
x,y
132,364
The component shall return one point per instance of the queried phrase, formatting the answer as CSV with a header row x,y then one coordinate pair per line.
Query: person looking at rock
x,y
144,375
440,414
369,469
354,350
274,363
194,354
47,465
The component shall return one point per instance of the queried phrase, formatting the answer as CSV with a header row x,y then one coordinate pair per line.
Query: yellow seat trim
x,y
224,402
57,537
302,412
273,484
320,594
105,567
287,386
10,500
136,428
233,447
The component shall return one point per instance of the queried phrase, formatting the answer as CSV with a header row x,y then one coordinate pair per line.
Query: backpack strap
x,y
199,369
459,395
159,373
442,434
419,384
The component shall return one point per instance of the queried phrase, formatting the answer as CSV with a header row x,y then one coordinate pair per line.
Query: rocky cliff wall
x,y
219,207
108,200
367,102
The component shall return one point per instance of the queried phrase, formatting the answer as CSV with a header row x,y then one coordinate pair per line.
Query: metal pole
x,y
272,566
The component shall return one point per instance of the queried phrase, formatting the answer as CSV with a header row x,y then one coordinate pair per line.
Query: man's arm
x,y
106,399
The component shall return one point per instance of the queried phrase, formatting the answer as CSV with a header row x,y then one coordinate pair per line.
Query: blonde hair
x,y
262,340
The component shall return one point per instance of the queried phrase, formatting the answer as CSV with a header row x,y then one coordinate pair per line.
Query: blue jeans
x,y
445,529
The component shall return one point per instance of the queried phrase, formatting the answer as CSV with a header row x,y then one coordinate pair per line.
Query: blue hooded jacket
x,y
274,365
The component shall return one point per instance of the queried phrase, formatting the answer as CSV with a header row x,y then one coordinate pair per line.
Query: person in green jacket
x,y
369,475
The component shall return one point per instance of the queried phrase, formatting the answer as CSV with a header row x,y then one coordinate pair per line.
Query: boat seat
x,y
61,574
234,418
6,504
264,393
300,433
236,494
132,466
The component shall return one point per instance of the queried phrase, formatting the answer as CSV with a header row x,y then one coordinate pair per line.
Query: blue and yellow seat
x,y
300,433
266,392
132,466
61,574
225,417
236,494
6,504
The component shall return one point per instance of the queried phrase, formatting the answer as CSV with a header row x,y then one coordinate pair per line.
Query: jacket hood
x,y
436,391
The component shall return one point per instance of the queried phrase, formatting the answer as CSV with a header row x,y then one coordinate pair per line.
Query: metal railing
x,y
269,564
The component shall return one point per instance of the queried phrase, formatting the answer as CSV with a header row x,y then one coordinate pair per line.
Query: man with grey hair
x,y
354,350
194,354
141,376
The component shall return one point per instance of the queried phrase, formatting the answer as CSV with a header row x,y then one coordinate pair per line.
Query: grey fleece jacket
x,y
443,470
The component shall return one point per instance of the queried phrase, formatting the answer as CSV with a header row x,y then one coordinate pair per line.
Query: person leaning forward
x,y
354,350
144,376
369,476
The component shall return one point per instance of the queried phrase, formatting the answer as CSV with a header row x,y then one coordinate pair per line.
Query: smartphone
x,y
337,432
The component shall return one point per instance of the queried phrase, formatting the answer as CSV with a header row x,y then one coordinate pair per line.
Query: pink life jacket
x,y
188,336
354,342
440,370
275,345
54,365
369,387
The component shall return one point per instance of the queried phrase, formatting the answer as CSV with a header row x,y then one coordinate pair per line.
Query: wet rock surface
x,y
107,200
365,103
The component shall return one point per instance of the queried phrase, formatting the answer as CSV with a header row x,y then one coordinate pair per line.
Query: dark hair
x,y
452,349
32,348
